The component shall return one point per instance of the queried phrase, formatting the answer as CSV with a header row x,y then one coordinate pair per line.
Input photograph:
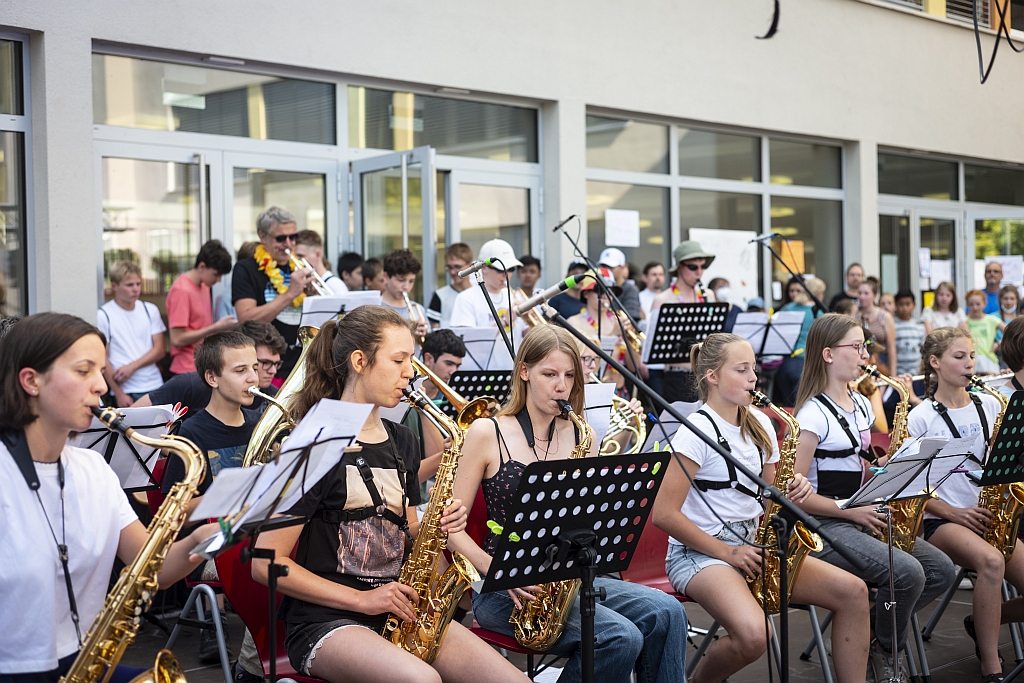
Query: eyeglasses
x,y
859,347
270,365
589,360
694,266
281,239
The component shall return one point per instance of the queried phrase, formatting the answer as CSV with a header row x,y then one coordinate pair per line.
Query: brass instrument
x,y
415,315
319,284
907,515
483,406
276,419
538,624
114,628
766,590
439,593
623,420
532,317
1004,501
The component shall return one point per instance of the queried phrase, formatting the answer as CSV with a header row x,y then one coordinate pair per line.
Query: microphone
x,y
560,225
764,237
554,290
475,266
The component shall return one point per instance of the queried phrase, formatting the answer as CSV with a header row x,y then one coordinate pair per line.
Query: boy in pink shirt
x,y
189,308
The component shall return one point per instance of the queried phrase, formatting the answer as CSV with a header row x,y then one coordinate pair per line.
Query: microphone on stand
x,y
475,266
554,290
562,224
765,237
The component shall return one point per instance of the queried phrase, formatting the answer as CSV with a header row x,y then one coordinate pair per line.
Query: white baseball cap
x,y
500,250
612,257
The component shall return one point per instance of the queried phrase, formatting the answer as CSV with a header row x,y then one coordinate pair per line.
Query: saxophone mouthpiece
x,y
759,399
565,406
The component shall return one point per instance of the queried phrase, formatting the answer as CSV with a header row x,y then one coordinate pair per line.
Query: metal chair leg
x,y
816,630
776,648
195,602
1014,634
911,663
811,645
933,621
705,643
926,672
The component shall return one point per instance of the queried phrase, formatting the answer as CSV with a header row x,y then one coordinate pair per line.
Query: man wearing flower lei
x,y
679,383
264,287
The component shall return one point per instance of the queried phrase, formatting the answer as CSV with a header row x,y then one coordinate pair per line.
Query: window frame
x,y
23,124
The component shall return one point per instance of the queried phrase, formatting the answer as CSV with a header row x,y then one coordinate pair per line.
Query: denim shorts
x,y
683,563
303,640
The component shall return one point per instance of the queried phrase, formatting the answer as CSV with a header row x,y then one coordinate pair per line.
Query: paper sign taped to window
x,y
621,228
1013,270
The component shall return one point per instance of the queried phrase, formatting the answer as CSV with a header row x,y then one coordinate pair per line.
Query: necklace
x,y
268,266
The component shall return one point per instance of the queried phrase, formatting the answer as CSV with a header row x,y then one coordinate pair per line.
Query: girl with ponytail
x,y
954,522
835,438
709,554
345,572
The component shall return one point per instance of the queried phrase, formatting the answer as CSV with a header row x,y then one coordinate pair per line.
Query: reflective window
x,y
709,154
895,258
650,202
140,93
381,119
803,163
997,237
812,229
13,279
917,177
743,265
256,189
488,212
938,235
11,86
626,145
994,185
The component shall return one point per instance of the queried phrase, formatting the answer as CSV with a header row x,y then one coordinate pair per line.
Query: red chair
x,y
250,600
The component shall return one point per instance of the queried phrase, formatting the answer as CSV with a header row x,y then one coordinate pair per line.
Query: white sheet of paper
x,y
781,336
316,310
485,349
1013,270
942,271
150,421
621,228
652,324
660,436
735,260
598,402
924,259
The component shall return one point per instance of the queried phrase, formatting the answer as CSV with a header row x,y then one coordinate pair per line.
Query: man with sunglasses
x,y
678,383
456,257
253,294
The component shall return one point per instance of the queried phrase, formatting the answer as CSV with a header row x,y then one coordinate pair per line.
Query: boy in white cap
x,y
679,383
470,309
615,260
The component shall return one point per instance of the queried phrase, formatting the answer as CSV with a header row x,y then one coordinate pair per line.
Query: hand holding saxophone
x,y
525,594
746,558
799,489
977,519
394,597
867,517
455,516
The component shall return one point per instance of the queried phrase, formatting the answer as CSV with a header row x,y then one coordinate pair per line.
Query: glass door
x,y
937,240
394,206
918,248
896,256
997,234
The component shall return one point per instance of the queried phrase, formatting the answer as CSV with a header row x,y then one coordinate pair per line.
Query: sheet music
x,y
652,325
316,310
124,455
485,349
782,334
598,402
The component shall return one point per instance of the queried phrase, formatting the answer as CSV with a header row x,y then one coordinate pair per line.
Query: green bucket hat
x,y
690,250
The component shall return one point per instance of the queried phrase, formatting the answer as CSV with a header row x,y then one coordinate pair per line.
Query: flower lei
x,y
267,265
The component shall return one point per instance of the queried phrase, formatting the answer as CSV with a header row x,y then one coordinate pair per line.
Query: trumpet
x,y
415,315
319,284
469,411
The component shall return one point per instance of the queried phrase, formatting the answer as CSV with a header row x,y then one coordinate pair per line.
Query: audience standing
x,y
457,257
993,282
854,276
983,328
653,278
190,308
910,334
944,311
881,325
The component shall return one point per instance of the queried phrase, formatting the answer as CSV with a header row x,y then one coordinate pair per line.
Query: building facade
x,y
859,133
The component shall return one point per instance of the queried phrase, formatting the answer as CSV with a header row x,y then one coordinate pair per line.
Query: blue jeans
x,y
918,578
635,627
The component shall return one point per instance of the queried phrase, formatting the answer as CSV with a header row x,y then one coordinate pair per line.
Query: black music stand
x,y
1005,463
679,326
571,518
474,383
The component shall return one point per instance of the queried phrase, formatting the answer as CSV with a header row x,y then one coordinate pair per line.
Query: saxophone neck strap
x,y
954,431
17,446
1016,385
706,485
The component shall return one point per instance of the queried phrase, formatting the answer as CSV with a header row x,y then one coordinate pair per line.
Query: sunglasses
x,y
281,239
694,266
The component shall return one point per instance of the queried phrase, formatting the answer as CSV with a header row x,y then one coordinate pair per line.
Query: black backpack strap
x,y
706,485
1016,384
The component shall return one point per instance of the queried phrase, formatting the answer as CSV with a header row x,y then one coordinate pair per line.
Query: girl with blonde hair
x,y
709,553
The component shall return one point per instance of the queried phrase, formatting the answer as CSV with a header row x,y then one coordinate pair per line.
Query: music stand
x,y
677,327
134,468
1005,463
770,336
316,310
474,383
660,436
572,518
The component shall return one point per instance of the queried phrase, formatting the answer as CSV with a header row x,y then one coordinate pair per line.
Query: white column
x,y
860,220
564,158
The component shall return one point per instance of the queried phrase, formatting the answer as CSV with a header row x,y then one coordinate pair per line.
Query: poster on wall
x,y
621,228
735,260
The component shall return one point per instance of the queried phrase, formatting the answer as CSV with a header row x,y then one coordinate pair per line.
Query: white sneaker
x,y
880,669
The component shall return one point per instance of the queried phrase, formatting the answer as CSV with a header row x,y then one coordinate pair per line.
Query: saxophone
x,y
538,624
767,592
1004,501
907,514
439,593
115,626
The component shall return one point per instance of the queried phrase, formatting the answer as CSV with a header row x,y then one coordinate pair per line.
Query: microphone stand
x,y
497,320
789,513
796,276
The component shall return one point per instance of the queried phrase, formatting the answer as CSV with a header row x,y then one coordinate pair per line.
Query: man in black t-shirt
x,y
854,276
255,297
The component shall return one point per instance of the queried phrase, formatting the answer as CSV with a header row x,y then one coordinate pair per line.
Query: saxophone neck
x,y
586,431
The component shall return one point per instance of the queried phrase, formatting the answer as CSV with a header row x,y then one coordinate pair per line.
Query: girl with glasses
x,y
835,442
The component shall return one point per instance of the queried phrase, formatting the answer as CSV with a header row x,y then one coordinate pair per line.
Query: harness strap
x,y
732,483
845,424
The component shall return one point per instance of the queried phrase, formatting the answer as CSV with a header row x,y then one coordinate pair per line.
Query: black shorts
x,y
930,525
301,639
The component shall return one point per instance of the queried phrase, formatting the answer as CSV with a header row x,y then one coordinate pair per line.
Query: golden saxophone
x,y
439,592
482,406
907,514
114,628
1004,501
538,624
276,419
767,591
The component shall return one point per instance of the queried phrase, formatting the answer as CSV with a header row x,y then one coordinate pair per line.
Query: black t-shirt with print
x,y
211,435
249,282
362,554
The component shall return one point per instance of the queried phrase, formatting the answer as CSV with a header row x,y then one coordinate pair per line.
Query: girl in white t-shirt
x,y
954,523
835,438
51,374
944,311
708,552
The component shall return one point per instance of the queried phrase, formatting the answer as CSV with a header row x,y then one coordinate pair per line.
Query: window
x,y
917,177
708,154
894,245
994,185
488,212
718,210
802,163
650,202
812,230
13,222
11,86
626,145
141,93
381,119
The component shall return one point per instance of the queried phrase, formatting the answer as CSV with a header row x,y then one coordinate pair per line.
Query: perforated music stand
x,y
571,518
474,383
678,327
1006,461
